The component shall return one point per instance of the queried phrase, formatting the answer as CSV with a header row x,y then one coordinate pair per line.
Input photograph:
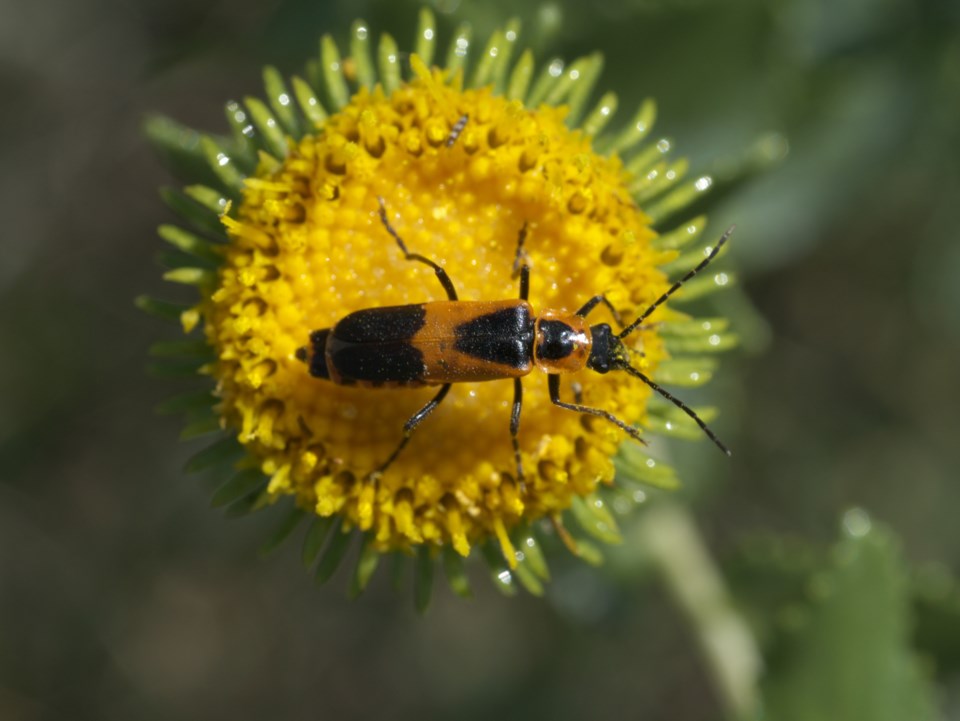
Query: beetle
x,y
457,341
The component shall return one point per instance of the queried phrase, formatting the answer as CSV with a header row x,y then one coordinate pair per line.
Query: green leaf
x,y
594,517
178,146
682,235
658,179
685,372
281,102
225,450
701,327
549,76
309,104
388,56
191,243
528,579
314,538
601,114
668,420
332,68
456,573
333,554
683,263
188,208
703,284
367,564
520,77
202,277
242,484
634,132
703,335
459,48
360,53
636,466
202,425
223,165
679,198
426,40
533,557
165,309
244,135
495,59
501,576
210,198
583,75
270,132
251,503
589,553
849,657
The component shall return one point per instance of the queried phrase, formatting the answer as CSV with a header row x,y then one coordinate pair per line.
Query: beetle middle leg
x,y
521,265
522,268
411,425
441,273
553,383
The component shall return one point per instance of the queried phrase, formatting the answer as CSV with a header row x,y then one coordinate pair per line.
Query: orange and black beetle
x,y
457,341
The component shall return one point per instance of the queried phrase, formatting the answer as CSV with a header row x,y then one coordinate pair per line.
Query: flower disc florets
x,y
308,247
286,238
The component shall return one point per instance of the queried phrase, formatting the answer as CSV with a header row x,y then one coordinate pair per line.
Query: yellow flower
x,y
460,168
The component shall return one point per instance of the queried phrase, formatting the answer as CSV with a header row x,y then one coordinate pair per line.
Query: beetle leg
x,y
524,281
515,427
521,264
553,383
411,425
441,273
593,302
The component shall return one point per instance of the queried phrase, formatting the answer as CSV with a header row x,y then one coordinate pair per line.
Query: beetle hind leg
x,y
515,427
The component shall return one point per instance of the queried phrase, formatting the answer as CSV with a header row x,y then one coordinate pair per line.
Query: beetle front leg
x,y
553,383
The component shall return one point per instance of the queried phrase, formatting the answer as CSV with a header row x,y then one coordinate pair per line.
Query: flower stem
x,y
728,646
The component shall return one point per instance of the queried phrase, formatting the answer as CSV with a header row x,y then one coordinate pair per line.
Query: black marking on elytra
x,y
504,337
395,362
559,340
373,345
318,354
381,325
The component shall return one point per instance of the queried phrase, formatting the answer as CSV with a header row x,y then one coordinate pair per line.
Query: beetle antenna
x,y
676,286
679,404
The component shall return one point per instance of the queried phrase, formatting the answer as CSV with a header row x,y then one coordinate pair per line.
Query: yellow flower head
x,y
460,173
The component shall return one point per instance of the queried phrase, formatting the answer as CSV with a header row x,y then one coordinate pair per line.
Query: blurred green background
x,y
122,595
